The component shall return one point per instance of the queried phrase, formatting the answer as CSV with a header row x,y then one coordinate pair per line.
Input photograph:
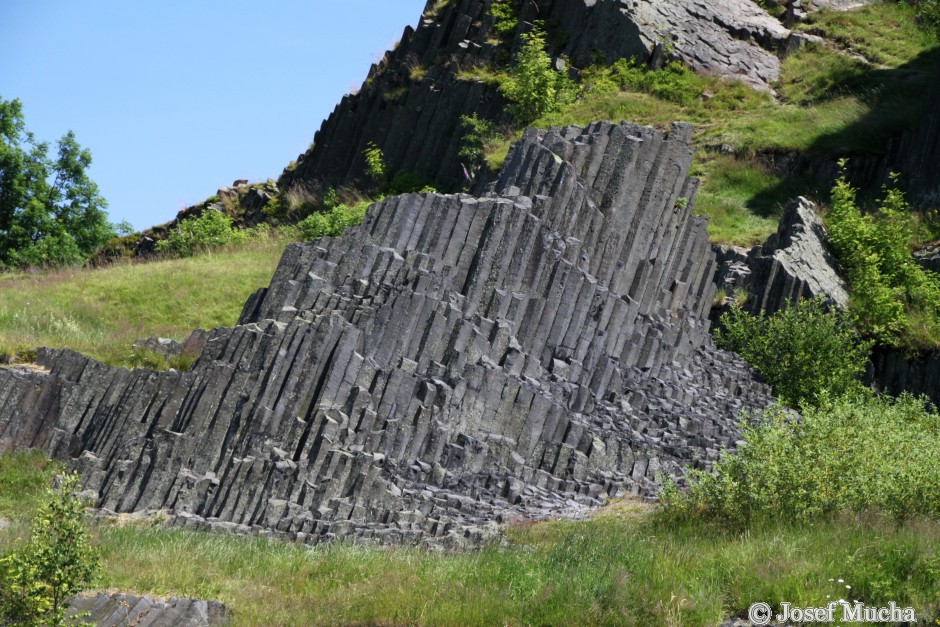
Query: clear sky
x,y
176,99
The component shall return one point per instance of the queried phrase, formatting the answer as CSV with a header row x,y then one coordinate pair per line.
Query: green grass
x,y
101,312
629,566
846,97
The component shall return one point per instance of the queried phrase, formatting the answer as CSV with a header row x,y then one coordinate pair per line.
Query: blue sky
x,y
176,99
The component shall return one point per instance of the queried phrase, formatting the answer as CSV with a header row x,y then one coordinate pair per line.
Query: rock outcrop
x,y
793,263
895,372
921,154
451,362
118,610
411,103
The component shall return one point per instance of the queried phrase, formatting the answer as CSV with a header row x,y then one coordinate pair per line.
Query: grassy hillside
x,y
100,312
846,96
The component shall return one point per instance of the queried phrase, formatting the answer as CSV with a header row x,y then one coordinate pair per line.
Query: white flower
x,y
840,581
848,587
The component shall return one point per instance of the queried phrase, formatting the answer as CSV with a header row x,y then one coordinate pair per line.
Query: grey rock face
x,y
451,362
414,117
793,263
929,258
839,5
733,38
921,154
896,372
118,609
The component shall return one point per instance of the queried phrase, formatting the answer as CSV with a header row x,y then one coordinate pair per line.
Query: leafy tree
x,y
477,132
533,86
800,351
893,299
50,211
57,563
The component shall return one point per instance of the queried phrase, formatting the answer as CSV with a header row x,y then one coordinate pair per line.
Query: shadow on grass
x,y
875,145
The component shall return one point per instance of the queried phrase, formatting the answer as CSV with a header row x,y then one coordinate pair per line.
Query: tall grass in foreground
x,y
100,312
631,565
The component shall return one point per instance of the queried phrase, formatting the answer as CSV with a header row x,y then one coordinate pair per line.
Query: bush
x,y
674,82
854,453
375,164
888,289
928,13
211,229
533,86
57,562
506,14
332,222
801,351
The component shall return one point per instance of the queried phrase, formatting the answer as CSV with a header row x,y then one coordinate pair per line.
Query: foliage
x,y
476,134
801,351
856,452
886,284
506,15
209,230
41,222
57,562
533,86
333,221
375,164
928,13
674,82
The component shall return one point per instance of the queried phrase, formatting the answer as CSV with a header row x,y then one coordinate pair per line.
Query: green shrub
x,y
928,13
375,164
674,82
57,562
506,14
888,289
477,133
801,351
854,453
211,229
332,222
533,86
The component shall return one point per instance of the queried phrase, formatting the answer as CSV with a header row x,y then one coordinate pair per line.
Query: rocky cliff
x,y
412,101
451,362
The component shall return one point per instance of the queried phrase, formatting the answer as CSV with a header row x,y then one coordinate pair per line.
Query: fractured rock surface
x,y
414,116
793,263
118,609
451,362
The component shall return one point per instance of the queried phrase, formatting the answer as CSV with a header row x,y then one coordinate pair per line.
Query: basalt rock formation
x,y
118,610
451,362
410,105
920,163
793,263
